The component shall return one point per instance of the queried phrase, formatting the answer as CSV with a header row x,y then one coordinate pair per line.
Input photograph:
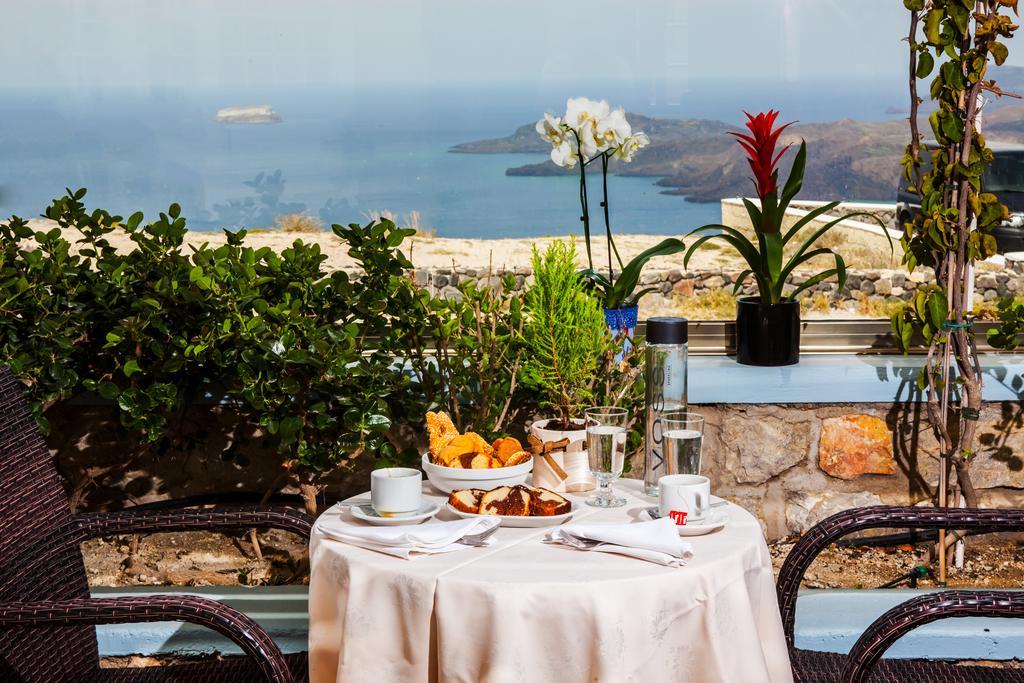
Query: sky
x,y
83,45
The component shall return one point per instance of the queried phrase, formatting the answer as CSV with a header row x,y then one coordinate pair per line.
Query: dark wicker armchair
x,y
47,618
863,663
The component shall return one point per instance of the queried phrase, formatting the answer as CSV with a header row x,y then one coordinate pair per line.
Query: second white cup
x,y
396,491
684,497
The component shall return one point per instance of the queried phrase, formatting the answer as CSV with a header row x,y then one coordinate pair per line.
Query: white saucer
x,y
366,513
714,521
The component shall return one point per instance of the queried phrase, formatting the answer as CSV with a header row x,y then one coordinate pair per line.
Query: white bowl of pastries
x,y
464,461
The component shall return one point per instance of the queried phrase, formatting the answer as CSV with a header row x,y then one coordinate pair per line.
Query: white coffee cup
x,y
396,491
684,497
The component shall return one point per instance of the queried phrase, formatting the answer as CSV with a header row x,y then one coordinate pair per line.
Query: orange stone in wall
x,y
853,445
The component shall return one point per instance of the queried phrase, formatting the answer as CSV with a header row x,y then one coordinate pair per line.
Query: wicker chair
x,y
863,663
47,618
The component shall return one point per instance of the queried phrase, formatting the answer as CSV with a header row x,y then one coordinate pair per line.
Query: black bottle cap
x,y
666,330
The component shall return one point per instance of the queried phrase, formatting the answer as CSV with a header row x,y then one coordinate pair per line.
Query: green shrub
x,y
330,366
565,333
304,354
466,353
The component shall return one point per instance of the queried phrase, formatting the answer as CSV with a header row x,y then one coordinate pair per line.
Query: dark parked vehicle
x,y
1004,178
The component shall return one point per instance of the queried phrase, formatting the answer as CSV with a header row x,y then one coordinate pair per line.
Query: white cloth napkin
x,y
655,541
409,540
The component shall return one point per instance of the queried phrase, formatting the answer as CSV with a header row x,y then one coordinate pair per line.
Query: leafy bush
x,y
329,366
304,354
465,354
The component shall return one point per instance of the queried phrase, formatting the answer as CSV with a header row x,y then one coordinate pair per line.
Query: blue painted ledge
x,y
281,610
827,620
832,620
837,378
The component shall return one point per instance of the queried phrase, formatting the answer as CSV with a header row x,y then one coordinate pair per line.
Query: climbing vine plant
x,y
953,42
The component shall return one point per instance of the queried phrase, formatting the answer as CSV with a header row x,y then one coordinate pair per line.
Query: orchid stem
x,y
607,222
583,199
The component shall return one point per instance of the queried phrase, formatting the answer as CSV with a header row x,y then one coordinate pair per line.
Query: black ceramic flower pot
x,y
767,334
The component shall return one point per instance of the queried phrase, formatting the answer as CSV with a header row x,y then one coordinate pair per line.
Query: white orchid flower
x,y
566,154
589,145
613,130
550,128
631,145
581,109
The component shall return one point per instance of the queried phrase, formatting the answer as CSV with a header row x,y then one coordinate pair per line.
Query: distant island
x,y
260,113
846,160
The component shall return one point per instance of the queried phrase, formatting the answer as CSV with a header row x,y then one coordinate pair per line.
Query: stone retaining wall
x,y
875,285
794,465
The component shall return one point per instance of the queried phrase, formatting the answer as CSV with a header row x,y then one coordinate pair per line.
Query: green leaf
x,y
925,63
131,367
108,390
796,178
932,26
999,52
626,284
938,308
806,219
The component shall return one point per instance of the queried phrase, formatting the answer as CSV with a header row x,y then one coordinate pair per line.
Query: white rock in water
x,y
260,113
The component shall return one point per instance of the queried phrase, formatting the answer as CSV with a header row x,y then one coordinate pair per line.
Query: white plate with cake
x,y
514,506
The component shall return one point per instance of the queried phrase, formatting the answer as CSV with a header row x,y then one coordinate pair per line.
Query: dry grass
x,y
817,304
870,308
708,304
298,222
413,220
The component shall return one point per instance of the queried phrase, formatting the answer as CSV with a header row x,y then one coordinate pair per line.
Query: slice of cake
x,y
546,503
512,501
466,500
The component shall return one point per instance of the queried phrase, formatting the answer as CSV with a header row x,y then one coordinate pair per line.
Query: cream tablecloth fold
x,y
524,611
656,541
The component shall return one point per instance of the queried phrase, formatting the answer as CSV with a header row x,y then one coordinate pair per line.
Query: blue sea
x,y
342,153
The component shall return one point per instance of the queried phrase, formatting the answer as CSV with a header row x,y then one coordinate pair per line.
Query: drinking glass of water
x,y
606,450
682,439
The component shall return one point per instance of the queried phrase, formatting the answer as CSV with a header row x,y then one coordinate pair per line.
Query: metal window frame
x,y
716,337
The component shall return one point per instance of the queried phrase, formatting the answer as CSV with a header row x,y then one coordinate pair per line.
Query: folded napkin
x,y
655,541
410,540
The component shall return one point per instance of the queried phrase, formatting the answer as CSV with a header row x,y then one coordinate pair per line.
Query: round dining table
x,y
521,610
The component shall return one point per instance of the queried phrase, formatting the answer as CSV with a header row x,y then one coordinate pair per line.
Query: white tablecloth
x,y
525,611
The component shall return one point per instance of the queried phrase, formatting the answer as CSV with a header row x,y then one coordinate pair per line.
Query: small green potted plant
x,y
768,325
564,338
591,132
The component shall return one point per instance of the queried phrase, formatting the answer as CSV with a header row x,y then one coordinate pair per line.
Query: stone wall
x,y
794,465
875,285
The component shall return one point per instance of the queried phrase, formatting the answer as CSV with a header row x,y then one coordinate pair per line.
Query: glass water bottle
x,y
665,379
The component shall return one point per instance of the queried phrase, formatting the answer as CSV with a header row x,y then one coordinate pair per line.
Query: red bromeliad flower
x,y
760,147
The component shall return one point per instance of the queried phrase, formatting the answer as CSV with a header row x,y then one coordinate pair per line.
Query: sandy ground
x,y
440,252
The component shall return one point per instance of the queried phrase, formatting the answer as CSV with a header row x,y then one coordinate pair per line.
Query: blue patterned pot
x,y
622,323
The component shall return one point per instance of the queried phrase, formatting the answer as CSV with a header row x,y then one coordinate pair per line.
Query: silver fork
x,y
480,539
576,542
